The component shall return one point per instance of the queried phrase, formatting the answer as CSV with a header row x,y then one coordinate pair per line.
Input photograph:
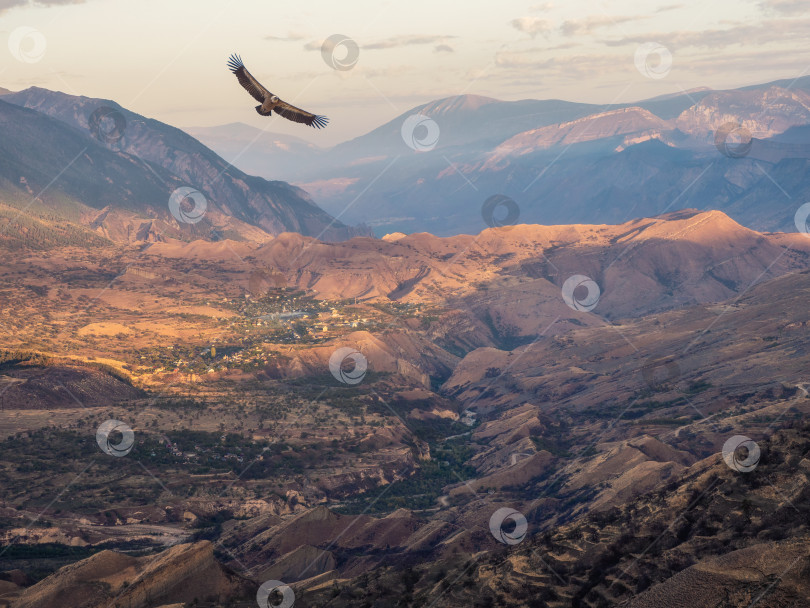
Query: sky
x,y
166,59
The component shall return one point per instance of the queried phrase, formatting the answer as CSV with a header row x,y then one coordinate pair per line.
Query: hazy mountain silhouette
x,y
566,162
143,164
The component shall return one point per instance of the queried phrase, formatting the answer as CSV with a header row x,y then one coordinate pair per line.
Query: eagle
x,y
270,102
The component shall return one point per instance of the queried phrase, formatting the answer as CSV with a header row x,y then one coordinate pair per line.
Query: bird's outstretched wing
x,y
298,115
246,79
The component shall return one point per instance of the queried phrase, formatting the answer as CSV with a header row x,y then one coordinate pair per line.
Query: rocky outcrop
x,y
183,573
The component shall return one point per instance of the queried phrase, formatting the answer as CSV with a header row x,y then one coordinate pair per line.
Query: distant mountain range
x,y
119,179
256,151
561,162
564,162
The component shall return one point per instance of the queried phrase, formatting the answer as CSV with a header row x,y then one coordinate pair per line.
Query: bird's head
x,y
274,98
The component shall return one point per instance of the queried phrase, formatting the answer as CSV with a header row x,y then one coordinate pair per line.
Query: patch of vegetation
x,y
697,387
507,336
421,490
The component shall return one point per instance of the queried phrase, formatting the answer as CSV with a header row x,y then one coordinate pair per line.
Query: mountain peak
x,y
228,140
457,103
691,91
236,203
601,125
764,112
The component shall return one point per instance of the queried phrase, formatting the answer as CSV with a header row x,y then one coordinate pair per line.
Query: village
x,y
279,317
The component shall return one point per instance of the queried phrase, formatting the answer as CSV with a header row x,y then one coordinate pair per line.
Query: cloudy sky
x,y
166,59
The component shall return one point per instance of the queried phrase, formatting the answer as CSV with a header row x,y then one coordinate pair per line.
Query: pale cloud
x,y
747,62
394,42
574,66
589,24
393,71
785,7
564,46
290,37
550,70
564,51
531,25
764,32
400,41
9,4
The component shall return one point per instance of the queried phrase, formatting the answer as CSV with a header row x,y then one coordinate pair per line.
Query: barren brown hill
x,y
739,578
708,537
307,545
60,385
184,573
666,262
405,353
706,343
649,396
247,439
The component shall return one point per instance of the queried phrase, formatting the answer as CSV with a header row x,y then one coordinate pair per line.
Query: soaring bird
x,y
270,102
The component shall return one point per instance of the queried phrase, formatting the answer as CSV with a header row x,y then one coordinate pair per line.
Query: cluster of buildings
x,y
198,450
